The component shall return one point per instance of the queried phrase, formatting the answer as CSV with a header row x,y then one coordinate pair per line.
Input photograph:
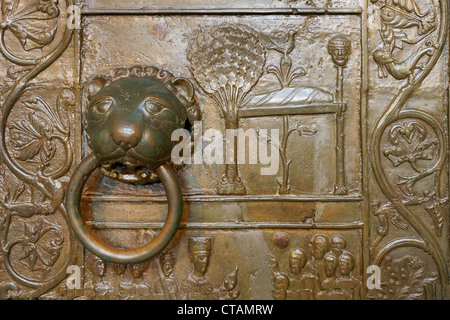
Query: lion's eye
x,y
102,106
152,107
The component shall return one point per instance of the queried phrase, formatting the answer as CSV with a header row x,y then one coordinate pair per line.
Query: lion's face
x,y
130,123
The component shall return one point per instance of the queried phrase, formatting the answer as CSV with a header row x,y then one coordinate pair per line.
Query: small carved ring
x,y
116,255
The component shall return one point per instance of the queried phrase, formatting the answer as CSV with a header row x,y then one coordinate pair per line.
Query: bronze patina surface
x,y
129,123
357,89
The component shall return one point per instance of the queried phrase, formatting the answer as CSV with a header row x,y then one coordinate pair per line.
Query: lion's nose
x,y
126,135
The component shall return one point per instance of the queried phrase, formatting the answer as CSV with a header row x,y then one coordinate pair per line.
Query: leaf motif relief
x,y
227,61
405,279
387,213
33,23
38,133
283,43
409,143
437,209
30,137
7,7
39,253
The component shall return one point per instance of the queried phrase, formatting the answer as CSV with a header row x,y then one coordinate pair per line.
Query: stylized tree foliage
x,y
227,61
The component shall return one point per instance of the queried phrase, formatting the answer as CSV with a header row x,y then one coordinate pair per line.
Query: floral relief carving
x,y
34,139
227,61
410,142
43,126
407,278
413,35
32,22
40,254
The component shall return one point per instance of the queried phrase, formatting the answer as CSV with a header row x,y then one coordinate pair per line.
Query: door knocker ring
x,y
129,123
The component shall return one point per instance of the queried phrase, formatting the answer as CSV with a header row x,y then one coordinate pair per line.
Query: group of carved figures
x,y
326,274
135,283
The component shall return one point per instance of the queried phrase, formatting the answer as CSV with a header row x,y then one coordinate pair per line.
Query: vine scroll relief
x,y
410,143
36,150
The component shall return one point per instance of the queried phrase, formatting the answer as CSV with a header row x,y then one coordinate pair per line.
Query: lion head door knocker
x,y
129,122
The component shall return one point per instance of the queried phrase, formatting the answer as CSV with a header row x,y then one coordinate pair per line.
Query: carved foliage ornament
x,y
29,147
407,278
34,23
416,138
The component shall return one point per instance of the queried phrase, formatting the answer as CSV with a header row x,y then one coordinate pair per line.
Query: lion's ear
x,y
185,88
95,85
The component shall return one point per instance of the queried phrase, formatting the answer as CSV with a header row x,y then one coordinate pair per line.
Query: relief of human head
x,y
339,47
319,246
167,263
346,263
96,265
331,264
199,253
297,261
119,269
338,244
138,269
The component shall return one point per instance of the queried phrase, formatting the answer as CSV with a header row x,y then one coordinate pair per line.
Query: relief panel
x,y
350,96
198,267
307,86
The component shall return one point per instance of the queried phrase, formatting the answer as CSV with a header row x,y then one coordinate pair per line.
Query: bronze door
x,y
221,150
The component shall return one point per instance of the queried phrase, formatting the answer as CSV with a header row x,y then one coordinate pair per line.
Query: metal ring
x,y
117,255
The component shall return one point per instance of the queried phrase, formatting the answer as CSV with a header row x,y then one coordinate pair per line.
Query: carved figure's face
x,y
99,268
200,260
330,264
340,55
339,48
319,247
130,123
346,264
167,268
296,263
230,282
119,269
338,245
280,284
137,270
